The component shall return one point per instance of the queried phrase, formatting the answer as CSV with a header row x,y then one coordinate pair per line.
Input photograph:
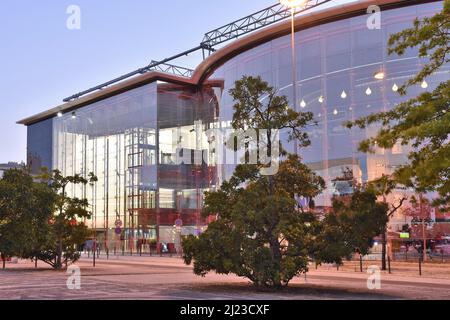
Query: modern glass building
x,y
132,134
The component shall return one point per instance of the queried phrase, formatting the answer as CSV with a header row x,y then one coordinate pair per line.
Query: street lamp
x,y
293,4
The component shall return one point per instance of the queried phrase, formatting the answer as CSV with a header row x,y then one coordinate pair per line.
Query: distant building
x,y
9,165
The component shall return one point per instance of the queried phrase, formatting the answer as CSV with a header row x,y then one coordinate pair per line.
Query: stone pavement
x,y
138,278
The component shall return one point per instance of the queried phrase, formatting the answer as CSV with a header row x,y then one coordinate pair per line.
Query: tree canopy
x,y
25,208
266,228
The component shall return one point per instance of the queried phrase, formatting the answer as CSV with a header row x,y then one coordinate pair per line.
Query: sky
x,y
42,61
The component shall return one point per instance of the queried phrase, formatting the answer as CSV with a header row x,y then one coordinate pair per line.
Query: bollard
x,y
389,264
420,266
360,263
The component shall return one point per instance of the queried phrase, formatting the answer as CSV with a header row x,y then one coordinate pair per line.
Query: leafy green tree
x,y
25,207
422,122
266,229
382,187
351,226
66,231
260,234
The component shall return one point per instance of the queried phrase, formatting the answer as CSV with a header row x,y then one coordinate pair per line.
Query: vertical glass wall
x,y
39,145
186,160
133,142
116,140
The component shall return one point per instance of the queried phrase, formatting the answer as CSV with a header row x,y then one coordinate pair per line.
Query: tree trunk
x,y
383,249
276,254
4,261
59,255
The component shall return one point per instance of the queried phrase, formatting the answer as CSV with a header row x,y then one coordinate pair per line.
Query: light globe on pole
x,y
293,3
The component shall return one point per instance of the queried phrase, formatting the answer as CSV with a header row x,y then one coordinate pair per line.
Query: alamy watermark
x,y
374,280
73,22
374,20
74,279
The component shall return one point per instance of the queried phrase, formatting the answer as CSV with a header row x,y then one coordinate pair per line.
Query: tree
x,y
382,187
66,231
266,229
351,226
262,232
261,235
420,210
25,207
422,122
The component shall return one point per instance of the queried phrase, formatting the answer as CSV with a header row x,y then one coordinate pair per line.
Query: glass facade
x,y
39,145
134,141
336,65
131,142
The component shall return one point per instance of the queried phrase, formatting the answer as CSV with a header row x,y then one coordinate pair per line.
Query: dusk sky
x,y
42,61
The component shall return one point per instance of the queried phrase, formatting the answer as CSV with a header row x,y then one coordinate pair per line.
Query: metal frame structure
x,y
254,22
250,23
158,65
170,68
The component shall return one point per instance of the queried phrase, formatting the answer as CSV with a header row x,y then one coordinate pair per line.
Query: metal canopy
x,y
211,39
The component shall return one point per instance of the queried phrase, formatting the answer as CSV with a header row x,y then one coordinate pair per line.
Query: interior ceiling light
x,y
424,84
335,112
380,75
321,99
343,94
395,87
303,104
368,91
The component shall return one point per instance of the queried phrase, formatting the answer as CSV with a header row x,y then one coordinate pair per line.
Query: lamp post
x,y
293,4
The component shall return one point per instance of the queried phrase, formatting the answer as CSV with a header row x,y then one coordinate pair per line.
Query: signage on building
x,y
404,235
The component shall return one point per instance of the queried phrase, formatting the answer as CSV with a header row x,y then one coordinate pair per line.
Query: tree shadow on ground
x,y
292,292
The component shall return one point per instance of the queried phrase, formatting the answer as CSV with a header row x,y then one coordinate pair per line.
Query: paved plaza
x,y
139,278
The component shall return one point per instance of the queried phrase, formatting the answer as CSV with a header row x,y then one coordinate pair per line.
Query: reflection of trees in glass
x,y
344,184
422,122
